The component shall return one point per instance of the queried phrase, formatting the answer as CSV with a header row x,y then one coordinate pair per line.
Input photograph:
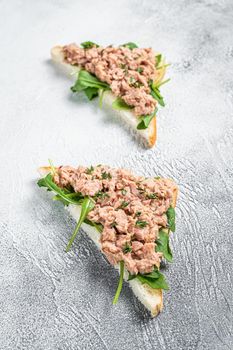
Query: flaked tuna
x,y
131,209
128,72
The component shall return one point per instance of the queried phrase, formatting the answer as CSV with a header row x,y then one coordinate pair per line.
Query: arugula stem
x,y
163,82
120,283
53,170
87,205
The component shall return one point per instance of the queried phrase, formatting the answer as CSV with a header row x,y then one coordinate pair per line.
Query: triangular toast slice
x,y
147,135
151,298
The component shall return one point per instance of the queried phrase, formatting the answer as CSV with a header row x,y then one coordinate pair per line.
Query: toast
x,y
151,298
147,135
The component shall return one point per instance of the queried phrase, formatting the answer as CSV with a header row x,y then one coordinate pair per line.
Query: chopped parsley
x,y
151,196
141,223
123,205
127,248
106,175
90,170
140,70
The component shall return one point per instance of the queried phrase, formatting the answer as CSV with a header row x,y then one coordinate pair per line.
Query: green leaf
x,y
48,182
144,121
162,83
171,219
157,96
130,46
155,279
86,80
76,196
163,245
91,92
98,226
120,104
86,206
158,60
88,44
120,283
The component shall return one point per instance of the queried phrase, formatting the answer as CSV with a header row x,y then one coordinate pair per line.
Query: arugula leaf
x,y
120,283
48,182
155,279
98,226
163,245
130,45
88,44
145,120
162,83
120,104
91,92
73,195
158,60
86,206
53,169
86,80
155,92
171,218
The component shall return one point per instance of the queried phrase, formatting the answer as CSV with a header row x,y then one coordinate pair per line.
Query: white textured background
x,y
52,300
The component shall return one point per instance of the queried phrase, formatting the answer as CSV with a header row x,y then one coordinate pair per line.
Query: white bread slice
x,y
151,298
147,136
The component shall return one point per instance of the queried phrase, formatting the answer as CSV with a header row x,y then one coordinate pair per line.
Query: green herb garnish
x,y
171,219
140,70
155,279
123,205
127,248
138,213
99,227
61,194
124,192
91,92
101,195
158,60
130,46
151,196
90,170
141,223
155,92
163,245
86,206
120,104
120,283
106,175
144,120
89,84
88,44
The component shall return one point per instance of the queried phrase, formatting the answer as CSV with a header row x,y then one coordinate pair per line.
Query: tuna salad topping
x,y
129,211
129,72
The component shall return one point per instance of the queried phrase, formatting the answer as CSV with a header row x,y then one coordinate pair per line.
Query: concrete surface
x,y
52,300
